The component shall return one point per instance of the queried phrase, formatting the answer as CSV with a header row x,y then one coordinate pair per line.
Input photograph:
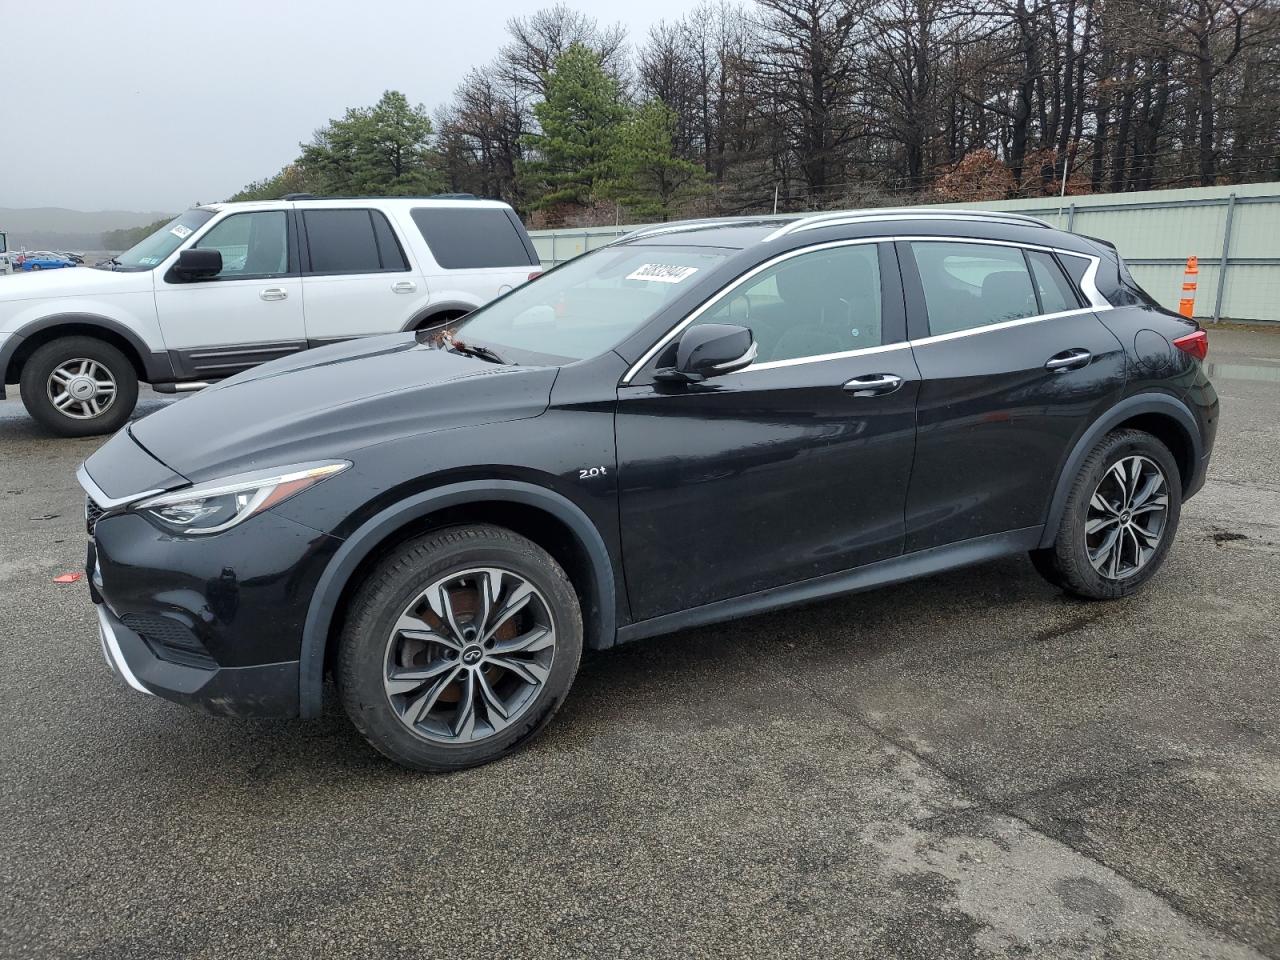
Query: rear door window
x,y
351,241
969,285
479,237
1052,286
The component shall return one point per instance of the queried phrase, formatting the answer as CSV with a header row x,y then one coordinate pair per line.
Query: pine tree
x,y
649,178
383,150
580,122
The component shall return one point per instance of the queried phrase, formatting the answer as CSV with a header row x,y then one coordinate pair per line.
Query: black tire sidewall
x,y
42,363
393,585
1073,565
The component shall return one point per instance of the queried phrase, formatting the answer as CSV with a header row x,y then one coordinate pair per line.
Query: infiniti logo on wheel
x,y
471,656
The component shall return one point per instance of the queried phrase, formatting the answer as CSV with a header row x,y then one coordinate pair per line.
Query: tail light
x,y
1196,344
535,275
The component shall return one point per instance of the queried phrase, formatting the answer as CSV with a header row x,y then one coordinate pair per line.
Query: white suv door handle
x,y
274,293
404,286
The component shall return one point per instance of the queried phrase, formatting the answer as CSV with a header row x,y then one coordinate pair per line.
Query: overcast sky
x,y
121,105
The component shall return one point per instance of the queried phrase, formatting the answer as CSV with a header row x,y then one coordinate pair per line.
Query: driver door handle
x,y
873,385
1072,359
274,293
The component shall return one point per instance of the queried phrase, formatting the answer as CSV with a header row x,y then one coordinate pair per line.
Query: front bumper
x,y
269,690
214,621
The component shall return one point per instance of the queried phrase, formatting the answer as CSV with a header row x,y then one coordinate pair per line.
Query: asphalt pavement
x,y
971,765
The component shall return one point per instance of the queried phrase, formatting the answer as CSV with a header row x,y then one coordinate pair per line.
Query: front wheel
x,y
459,647
1120,518
79,387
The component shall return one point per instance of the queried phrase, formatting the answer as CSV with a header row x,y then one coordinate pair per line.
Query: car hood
x,y
333,401
72,282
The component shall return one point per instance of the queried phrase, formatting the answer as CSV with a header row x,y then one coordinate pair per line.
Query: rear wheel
x,y
79,386
460,646
1121,517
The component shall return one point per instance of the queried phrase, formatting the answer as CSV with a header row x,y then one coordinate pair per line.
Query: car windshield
x,y
589,304
154,249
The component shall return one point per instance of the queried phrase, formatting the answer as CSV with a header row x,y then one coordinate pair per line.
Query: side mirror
x,y
196,263
710,350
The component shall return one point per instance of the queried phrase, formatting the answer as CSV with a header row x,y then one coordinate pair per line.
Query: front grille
x,y
169,640
92,514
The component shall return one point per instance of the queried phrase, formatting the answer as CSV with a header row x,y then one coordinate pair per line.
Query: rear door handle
x,y
1072,359
274,293
404,286
873,385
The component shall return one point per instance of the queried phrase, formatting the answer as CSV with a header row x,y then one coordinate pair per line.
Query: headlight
x,y
220,504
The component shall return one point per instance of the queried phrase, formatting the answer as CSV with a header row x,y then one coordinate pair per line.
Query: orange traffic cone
x,y
1187,305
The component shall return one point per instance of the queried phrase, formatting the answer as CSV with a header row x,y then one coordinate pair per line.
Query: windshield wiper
x,y
475,350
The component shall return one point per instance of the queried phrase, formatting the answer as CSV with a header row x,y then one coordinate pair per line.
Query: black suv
x,y
701,421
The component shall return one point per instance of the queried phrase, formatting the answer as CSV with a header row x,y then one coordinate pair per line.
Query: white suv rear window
x,y
462,238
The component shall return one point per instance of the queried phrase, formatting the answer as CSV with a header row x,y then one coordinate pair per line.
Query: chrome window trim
x,y
1088,283
1098,302
821,357
1002,325
726,290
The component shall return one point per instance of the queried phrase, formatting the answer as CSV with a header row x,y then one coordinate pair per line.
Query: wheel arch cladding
x,y
34,335
1165,417
530,510
438,315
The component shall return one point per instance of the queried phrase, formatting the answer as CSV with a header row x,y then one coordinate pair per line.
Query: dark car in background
x,y
699,422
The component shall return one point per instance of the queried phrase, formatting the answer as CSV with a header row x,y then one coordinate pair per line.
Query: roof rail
x,y
430,196
840,217
681,226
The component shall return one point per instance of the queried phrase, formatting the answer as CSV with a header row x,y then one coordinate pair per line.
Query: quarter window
x,y
351,241
826,301
253,245
968,285
464,238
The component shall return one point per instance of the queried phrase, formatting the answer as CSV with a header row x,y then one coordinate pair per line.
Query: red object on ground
x,y
67,577
1196,344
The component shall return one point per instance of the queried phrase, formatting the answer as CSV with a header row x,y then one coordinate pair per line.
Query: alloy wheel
x,y
1126,517
81,388
469,655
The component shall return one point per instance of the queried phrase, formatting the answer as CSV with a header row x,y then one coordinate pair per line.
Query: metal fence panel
x,y
1155,231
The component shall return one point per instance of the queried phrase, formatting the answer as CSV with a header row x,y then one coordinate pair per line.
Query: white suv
x,y
227,286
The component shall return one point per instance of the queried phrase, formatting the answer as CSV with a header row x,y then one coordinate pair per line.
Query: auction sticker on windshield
x,y
181,232
662,272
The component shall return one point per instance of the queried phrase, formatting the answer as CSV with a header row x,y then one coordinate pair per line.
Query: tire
x,y
36,266
77,418
422,723
1122,471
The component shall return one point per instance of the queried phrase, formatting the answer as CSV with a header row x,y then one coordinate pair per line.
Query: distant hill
x,y
57,228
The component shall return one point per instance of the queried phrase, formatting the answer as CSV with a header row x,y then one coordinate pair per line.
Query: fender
x,y
444,306
156,367
1127,408
360,544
